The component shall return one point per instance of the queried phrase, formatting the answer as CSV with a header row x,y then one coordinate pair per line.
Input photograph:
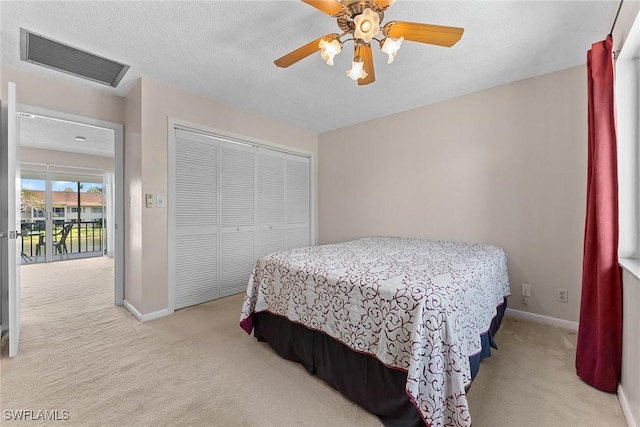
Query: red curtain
x,y
599,350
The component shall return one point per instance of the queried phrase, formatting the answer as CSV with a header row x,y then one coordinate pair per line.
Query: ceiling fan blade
x,y
366,55
330,7
299,54
423,33
384,3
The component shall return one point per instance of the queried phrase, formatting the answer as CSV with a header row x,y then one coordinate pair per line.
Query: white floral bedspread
x,y
417,305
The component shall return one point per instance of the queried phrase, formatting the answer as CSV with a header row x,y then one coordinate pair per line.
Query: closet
x,y
233,203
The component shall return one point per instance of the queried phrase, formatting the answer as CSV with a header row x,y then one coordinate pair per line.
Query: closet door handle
x,y
238,229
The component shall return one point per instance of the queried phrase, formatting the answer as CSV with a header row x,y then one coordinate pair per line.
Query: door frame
x,y
4,243
118,166
10,218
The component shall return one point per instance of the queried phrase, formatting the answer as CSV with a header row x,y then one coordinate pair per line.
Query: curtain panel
x,y
599,349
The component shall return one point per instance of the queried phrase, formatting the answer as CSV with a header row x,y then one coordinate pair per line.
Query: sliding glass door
x,y
63,216
33,211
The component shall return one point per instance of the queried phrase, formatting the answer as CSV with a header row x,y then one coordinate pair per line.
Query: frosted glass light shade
x,y
391,47
367,25
329,49
357,71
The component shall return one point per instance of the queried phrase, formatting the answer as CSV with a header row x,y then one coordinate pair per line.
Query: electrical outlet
x,y
526,290
563,295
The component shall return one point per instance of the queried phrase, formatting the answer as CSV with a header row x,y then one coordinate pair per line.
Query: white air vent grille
x,y
49,53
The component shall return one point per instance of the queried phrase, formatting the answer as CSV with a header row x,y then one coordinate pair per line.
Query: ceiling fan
x,y
360,19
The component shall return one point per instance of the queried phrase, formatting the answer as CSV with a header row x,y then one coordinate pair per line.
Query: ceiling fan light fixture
x,y
359,21
367,25
357,70
391,47
329,49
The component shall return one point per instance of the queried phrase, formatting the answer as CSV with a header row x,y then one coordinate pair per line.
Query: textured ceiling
x,y
224,50
46,133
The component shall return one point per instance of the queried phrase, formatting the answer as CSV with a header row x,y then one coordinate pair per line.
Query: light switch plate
x,y
159,201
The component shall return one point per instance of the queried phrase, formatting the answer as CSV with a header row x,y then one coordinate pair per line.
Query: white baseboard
x,y
539,318
148,316
626,409
132,310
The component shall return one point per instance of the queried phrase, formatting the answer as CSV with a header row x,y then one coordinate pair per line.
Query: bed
x,y
397,325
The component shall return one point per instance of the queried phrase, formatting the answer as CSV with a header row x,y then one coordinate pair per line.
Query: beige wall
x,y
159,102
133,197
59,95
505,166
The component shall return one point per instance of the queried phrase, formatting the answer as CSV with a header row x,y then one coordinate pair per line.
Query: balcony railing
x,y
87,238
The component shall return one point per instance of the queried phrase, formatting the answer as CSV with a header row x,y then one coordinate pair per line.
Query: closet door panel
x,y
298,202
196,270
236,261
196,185
271,190
298,237
268,241
298,191
270,199
237,213
236,188
196,219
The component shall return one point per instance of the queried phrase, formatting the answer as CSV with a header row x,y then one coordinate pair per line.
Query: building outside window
x,y
65,206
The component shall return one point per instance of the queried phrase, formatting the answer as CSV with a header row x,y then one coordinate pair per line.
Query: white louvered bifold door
x,y
270,200
232,204
237,213
196,219
298,202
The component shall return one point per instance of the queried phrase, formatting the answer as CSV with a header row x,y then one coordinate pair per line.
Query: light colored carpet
x,y
531,381
197,367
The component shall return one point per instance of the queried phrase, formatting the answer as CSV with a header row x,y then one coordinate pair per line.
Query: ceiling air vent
x,y
49,53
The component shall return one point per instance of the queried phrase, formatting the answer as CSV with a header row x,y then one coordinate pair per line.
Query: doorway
x,y
72,192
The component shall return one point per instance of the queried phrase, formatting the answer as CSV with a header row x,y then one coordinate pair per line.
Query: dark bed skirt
x,y
359,377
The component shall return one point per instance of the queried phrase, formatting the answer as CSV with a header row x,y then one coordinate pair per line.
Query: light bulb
x,y
391,47
329,49
357,71
367,25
